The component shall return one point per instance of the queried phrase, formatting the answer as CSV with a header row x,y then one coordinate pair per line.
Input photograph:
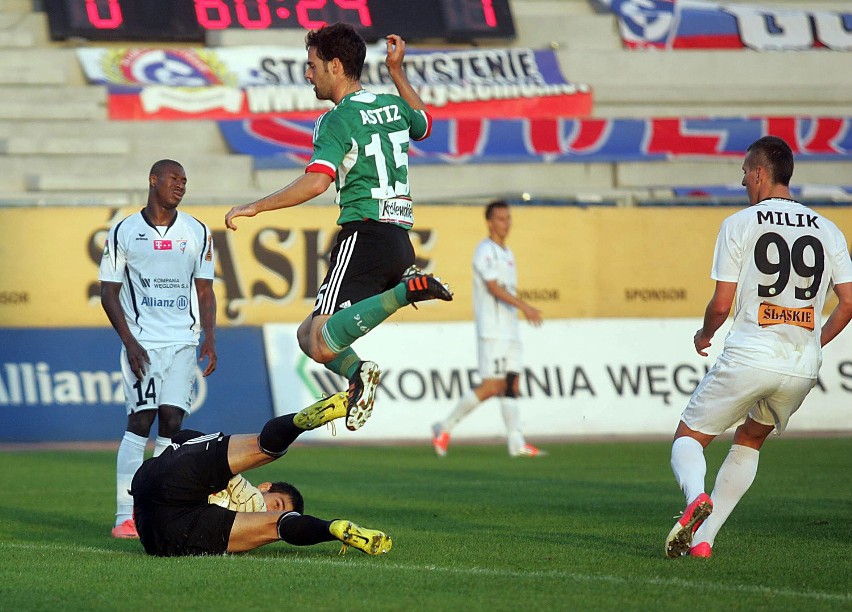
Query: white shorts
x,y
168,379
498,357
730,391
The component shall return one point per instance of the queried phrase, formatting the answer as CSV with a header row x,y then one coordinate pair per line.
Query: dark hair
x,y
159,168
339,40
292,492
489,210
776,156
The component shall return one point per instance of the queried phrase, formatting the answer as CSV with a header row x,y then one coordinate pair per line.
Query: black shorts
x,y
368,258
170,505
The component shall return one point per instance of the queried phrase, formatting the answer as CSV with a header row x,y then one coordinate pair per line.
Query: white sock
x,y
161,444
131,452
689,466
466,404
734,478
512,419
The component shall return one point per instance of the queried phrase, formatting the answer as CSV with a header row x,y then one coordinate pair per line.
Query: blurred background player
x,y
156,278
362,145
193,500
495,303
779,259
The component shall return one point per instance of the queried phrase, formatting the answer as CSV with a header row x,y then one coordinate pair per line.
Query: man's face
x,y
752,177
500,223
319,75
170,186
278,502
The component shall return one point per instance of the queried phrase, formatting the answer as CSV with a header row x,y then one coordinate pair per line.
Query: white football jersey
x,y
784,258
157,267
494,318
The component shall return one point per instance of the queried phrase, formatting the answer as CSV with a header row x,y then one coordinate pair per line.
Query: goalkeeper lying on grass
x,y
191,499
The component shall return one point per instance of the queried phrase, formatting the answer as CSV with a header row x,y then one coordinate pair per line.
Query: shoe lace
x,y
343,550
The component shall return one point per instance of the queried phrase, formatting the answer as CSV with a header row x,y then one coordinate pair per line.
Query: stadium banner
x,y
283,143
573,262
617,377
243,82
698,24
841,193
60,385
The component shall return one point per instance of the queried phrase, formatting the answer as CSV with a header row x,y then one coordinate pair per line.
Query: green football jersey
x,y
363,143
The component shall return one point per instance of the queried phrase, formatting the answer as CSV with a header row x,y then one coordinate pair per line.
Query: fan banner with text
x,y
698,24
282,143
230,83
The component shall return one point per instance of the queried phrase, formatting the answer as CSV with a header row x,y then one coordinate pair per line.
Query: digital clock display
x,y
189,20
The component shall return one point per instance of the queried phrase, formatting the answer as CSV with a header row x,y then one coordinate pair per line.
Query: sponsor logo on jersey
x,y
182,245
141,237
770,314
346,304
162,245
106,248
167,283
146,282
150,302
208,256
399,211
182,303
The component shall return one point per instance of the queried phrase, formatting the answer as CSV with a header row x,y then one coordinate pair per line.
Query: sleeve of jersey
x,y
206,262
727,258
484,263
112,260
240,496
329,147
421,124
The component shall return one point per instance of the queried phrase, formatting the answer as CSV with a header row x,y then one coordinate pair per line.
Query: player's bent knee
x,y
273,439
511,384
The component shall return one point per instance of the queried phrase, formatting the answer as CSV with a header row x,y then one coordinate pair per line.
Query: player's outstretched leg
x,y
362,394
322,412
370,541
679,539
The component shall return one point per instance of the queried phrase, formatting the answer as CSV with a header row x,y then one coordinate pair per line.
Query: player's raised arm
x,y
396,53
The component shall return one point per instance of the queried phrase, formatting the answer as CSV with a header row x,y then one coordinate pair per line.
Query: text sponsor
x,y
543,294
14,298
398,210
655,294
37,384
770,314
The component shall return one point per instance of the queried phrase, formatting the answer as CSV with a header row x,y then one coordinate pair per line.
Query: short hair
x,y
159,168
776,156
339,40
489,210
287,489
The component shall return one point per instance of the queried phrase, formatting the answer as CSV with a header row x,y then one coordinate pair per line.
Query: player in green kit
x,y
362,145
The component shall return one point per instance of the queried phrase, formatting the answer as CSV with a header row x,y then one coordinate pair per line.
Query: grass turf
x,y
580,529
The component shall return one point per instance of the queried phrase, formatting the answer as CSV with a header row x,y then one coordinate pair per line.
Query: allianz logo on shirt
x,y
181,303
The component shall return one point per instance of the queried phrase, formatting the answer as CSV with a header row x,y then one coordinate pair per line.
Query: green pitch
x,y
581,529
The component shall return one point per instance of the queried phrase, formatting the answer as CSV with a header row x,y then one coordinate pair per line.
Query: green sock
x,y
345,363
345,326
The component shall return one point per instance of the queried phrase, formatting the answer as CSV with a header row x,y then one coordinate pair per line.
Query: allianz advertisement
x,y
65,385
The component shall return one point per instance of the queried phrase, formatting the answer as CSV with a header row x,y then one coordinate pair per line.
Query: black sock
x,y
278,434
303,530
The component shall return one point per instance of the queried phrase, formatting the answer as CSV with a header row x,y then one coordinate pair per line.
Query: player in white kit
x,y
496,305
775,262
156,279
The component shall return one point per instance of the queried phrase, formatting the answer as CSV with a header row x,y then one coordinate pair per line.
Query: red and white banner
x,y
699,24
234,83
